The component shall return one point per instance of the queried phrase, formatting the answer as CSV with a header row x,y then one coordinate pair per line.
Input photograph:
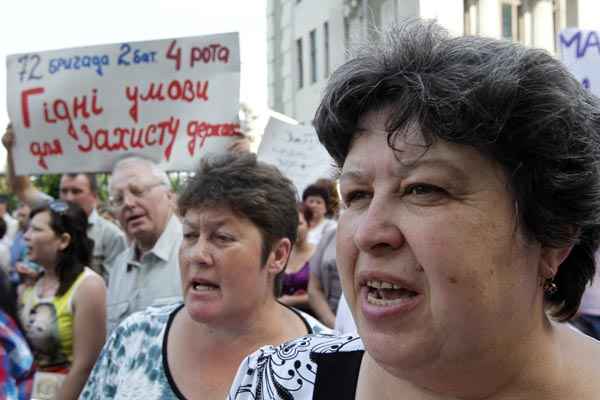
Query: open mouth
x,y
203,287
134,219
386,294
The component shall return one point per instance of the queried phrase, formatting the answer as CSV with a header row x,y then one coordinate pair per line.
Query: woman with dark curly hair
x,y
470,178
317,198
64,312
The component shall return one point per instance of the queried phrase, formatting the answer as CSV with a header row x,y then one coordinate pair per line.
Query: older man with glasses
x,y
147,273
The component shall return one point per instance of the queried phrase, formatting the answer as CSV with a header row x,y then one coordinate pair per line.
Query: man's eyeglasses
x,y
137,190
58,206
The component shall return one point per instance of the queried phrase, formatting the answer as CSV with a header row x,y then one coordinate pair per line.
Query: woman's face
x,y
430,257
220,262
42,242
302,228
317,206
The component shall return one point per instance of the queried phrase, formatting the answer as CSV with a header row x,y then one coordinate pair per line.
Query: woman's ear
x,y
279,256
551,259
65,240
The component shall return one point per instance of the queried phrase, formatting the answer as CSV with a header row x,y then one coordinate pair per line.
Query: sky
x,y
40,25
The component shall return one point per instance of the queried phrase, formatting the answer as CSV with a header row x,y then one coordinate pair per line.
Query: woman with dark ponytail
x,y
64,313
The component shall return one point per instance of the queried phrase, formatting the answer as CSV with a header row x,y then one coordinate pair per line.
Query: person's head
x,y
333,207
3,204
470,177
22,215
239,222
305,214
81,189
141,196
316,197
57,238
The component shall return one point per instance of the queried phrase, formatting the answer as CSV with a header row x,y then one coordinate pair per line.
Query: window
x,y
313,56
346,34
512,20
326,48
507,30
300,63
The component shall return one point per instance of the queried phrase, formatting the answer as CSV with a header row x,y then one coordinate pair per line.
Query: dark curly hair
x,y
517,105
250,188
68,217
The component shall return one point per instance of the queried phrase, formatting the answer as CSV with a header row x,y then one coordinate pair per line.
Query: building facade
x,y
308,39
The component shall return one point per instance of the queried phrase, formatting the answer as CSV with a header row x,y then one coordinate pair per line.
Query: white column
x,y
490,18
543,25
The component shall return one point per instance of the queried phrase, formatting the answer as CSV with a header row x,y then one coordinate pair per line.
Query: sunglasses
x,y
58,206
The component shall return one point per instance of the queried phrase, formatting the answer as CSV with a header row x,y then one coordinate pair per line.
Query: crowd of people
x,y
451,265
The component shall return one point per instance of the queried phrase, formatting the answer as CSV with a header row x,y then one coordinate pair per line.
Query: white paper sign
x,y
580,52
296,151
81,109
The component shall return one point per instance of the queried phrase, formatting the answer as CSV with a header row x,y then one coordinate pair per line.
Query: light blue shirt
x,y
152,280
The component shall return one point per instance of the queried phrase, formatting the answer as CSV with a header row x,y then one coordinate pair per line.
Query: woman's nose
x,y
378,230
199,253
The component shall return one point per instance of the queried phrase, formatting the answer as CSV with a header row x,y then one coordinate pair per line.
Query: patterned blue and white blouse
x,y
16,361
132,364
311,367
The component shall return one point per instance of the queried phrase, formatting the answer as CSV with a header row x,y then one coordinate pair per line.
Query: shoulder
x,y
109,229
288,370
147,321
89,284
141,329
121,260
577,363
330,226
90,278
129,364
315,325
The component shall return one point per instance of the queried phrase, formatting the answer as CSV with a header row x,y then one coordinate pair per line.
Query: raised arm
x,y
21,186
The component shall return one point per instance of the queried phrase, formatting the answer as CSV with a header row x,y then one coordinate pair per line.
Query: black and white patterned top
x,y
309,367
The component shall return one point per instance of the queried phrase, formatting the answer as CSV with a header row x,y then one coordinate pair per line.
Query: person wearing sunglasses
x,y
79,188
147,272
64,312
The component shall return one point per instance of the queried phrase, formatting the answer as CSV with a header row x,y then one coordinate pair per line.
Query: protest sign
x,y
580,51
296,151
81,109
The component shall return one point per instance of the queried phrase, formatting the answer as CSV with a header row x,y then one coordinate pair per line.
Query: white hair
x,y
153,167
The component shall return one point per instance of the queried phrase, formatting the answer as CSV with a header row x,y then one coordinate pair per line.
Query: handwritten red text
x,y
78,107
175,90
44,149
213,53
121,138
202,130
